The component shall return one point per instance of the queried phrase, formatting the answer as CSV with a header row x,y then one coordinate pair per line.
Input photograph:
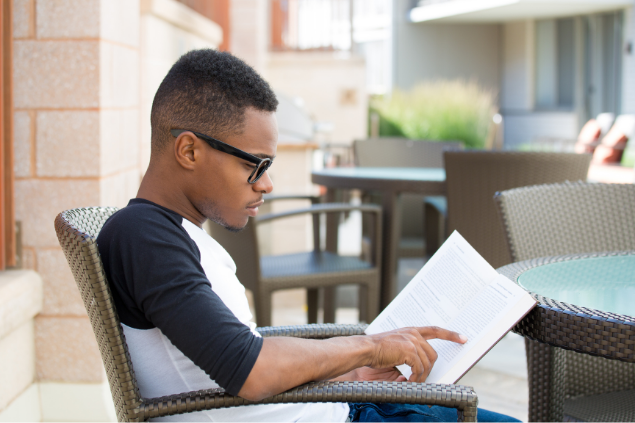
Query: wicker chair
x,y
570,218
401,152
77,231
474,176
311,270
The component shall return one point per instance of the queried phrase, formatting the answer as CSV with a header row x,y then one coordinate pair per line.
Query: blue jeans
x,y
369,412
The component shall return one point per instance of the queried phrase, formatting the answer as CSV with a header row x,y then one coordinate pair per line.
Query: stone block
x,y
119,76
38,201
23,18
17,362
66,350
67,143
20,299
67,18
28,259
120,21
61,296
22,133
25,408
119,133
118,189
56,74
77,402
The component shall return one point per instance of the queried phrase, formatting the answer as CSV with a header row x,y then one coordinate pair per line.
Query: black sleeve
x,y
154,271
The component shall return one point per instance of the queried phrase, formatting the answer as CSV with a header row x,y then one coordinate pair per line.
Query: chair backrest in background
x,y
77,232
473,177
401,152
568,218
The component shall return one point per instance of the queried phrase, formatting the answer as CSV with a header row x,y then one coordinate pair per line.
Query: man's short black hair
x,y
207,91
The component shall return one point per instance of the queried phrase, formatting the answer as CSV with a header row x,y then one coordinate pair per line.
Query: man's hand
x,y
410,346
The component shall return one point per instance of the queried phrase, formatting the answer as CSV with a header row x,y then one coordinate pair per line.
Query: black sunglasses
x,y
261,164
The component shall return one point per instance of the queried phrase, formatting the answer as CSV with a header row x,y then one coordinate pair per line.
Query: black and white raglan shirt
x,y
185,314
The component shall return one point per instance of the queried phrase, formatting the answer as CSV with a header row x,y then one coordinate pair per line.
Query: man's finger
x,y
425,361
434,332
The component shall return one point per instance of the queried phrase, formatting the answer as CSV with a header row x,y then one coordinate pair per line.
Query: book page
x,y
457,290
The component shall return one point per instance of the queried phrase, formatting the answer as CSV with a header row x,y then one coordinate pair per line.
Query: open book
x,y
457,290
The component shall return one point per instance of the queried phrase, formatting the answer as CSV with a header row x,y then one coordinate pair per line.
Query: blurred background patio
x,y
77,82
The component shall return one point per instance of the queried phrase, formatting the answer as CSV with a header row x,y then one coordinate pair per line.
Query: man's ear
x,y
184,150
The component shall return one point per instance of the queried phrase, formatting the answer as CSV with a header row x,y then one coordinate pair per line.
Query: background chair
x,y
311,270
77,231
474,176
401,152
570,218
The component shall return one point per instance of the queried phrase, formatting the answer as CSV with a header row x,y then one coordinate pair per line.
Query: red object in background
x,y
611,148
589,135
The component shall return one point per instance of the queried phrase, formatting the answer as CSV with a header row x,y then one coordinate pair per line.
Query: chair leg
x,y
312,304
329,304
372,302
546,370
263,308
363,303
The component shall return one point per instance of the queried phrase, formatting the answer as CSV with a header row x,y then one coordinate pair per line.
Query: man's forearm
x,y
285,362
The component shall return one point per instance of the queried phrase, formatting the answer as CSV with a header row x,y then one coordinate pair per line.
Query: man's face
x,y
222,192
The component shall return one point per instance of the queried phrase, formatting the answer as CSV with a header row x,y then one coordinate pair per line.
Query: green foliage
x,y
440,110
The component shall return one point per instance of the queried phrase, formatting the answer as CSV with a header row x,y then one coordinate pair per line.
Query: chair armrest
x,y
315,199
463,398
437,202
317,209
314,331
320,208
435,215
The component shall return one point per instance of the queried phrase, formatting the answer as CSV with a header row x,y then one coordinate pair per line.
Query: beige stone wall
x,y
168,30
76,97
332,85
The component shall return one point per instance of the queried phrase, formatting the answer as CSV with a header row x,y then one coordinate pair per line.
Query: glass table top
x,y
600,283
397,173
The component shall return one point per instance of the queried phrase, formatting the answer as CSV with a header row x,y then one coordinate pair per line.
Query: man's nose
x,y
264,184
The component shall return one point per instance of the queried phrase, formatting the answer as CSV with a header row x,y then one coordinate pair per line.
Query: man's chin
x,y
234,228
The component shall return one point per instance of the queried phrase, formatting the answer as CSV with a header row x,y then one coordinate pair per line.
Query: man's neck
x,y
164,191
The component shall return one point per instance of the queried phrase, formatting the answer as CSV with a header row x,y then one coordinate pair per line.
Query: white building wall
x,y
628,63
429,51
517,88
523,128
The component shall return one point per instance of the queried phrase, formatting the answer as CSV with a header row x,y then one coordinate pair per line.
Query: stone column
x,y
250,32
76,93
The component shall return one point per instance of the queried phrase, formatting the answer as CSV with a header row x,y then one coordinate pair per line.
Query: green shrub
x,y
440,110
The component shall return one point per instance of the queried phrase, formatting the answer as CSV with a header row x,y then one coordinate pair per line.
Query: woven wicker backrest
x,y
568,218
473,177
77,231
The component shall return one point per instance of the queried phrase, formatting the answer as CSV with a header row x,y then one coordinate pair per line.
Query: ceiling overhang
x,y
491,11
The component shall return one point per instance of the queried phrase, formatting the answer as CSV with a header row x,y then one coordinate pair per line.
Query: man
x,y
184,314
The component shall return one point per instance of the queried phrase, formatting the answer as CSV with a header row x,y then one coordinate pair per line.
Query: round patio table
x,y
391,182
586,303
